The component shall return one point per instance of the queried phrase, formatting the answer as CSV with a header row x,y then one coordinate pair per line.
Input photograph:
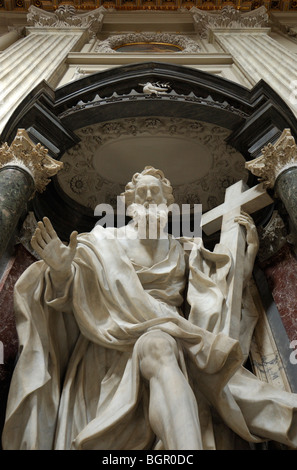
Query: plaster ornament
x,y
90,157
66,16
185,43
228,17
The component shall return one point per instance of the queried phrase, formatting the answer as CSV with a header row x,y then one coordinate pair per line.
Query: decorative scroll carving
x,y
275,159
272,237
66,16
185,43
228,17
26,233
33,158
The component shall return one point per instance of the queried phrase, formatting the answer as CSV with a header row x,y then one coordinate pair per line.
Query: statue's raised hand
x,y
49,247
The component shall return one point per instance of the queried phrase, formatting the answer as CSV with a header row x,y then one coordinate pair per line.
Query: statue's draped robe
x,y
77,384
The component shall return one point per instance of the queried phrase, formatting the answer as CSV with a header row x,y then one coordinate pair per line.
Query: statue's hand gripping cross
x,y
237,199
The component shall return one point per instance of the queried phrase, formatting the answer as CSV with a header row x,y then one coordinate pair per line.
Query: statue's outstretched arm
x,y
53,251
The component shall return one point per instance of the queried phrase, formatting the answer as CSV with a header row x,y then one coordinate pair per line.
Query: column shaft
x,y
259,57
286,189
8,39
16,188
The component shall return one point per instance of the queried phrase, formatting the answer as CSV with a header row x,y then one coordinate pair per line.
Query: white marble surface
x,y
108,359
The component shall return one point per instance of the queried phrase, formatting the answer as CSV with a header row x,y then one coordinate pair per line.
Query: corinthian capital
x,y
66,16
275,159
32,158
228,17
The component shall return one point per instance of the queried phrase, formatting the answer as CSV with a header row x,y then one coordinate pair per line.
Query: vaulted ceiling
x,y
271,5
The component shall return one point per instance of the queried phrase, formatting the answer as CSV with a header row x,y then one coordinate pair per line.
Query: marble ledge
x,y
90,58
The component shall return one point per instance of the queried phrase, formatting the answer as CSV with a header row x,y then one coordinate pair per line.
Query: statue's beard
x,y
150,220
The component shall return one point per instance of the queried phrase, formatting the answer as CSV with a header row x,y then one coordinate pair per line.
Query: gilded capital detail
x,y
33,158
275,159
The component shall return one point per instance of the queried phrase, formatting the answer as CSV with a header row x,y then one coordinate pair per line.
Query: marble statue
x,y
121,343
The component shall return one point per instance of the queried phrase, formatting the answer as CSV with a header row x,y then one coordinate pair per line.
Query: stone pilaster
x,y
246,36
277,168
24,169
261,57
39,55
9,38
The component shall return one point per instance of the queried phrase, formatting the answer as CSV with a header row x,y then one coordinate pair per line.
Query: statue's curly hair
x,y
129,193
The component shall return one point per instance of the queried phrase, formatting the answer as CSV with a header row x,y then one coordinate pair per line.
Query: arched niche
x,y
242,121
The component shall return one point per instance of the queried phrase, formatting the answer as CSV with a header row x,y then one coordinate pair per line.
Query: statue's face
x,y
149,191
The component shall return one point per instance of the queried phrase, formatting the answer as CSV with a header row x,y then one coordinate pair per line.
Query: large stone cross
x,y
237,198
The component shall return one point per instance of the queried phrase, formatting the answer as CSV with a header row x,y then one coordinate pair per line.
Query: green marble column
x,y
16,188
277,169
25,168
286,189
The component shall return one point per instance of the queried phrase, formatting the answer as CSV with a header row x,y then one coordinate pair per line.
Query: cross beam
x,y
237,198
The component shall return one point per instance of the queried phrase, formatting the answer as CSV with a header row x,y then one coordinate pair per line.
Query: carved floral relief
x,y
82,180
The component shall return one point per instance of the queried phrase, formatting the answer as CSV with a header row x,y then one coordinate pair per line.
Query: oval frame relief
x,y
150,47
112,44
